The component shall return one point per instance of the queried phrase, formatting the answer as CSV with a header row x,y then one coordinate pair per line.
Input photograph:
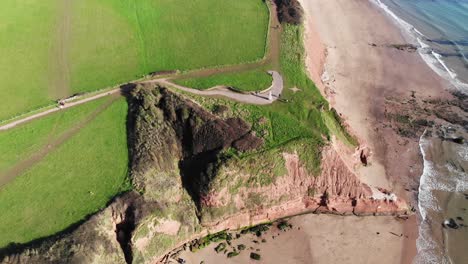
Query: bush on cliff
x,y
289,11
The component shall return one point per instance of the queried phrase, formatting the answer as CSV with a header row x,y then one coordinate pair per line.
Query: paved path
x,y
56,109
252,98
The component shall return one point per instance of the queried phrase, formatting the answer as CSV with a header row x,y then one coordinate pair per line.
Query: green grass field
x,y
24,53
74,180
24,140
247,81
52,48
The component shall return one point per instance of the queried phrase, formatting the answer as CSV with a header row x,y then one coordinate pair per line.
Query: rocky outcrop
x,y
95,241
337,189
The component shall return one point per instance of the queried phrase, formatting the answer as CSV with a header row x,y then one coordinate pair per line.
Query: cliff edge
x,y
196,172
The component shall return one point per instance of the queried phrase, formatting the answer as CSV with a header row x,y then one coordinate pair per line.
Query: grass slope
x,y
254,80
90,44
76,179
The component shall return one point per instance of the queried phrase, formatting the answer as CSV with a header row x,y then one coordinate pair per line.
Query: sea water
x,y
440,28
443,195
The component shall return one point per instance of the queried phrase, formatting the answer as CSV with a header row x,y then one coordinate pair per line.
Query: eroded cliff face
x,y
241,201
186,185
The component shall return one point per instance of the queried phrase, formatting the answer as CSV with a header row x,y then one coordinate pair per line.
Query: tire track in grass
x,y
59,76
51,145
140,37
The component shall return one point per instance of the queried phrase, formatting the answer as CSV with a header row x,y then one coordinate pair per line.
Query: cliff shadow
x,y
197,172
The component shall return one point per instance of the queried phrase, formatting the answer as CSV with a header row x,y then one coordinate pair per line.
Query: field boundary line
x,y
140,37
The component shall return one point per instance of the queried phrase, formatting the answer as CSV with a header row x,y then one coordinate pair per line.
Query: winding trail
x,y
56,109
59,79
253,98
262,98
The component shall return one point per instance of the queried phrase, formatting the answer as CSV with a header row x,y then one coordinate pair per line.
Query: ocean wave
x,y
433,59
429,250
439,57
445,176
463,153
426,182
402,22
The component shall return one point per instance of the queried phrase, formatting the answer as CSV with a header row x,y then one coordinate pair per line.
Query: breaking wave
x,y
436,177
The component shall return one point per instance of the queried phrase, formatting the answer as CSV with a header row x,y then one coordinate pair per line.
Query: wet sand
x,y
443,196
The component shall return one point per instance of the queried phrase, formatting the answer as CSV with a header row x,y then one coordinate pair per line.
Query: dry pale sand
x,y
358,79
361,72
361,77
318,239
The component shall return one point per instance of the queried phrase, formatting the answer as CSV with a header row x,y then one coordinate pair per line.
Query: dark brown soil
x,y
289,11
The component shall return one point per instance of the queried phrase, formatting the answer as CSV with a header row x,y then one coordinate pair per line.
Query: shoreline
x,y
359,74
436,61
365,75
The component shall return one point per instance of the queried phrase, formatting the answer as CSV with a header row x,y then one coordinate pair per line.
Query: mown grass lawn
x,y
76,179
52,48
246,81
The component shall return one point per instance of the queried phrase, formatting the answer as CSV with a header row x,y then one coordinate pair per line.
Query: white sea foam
x,y
429,250
407,26
463,153
432,58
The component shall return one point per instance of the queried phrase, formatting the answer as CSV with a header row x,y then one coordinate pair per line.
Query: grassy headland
x,y
90,45
82,174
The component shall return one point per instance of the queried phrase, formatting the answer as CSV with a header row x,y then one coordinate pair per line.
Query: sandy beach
x,y
317,239
363,72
